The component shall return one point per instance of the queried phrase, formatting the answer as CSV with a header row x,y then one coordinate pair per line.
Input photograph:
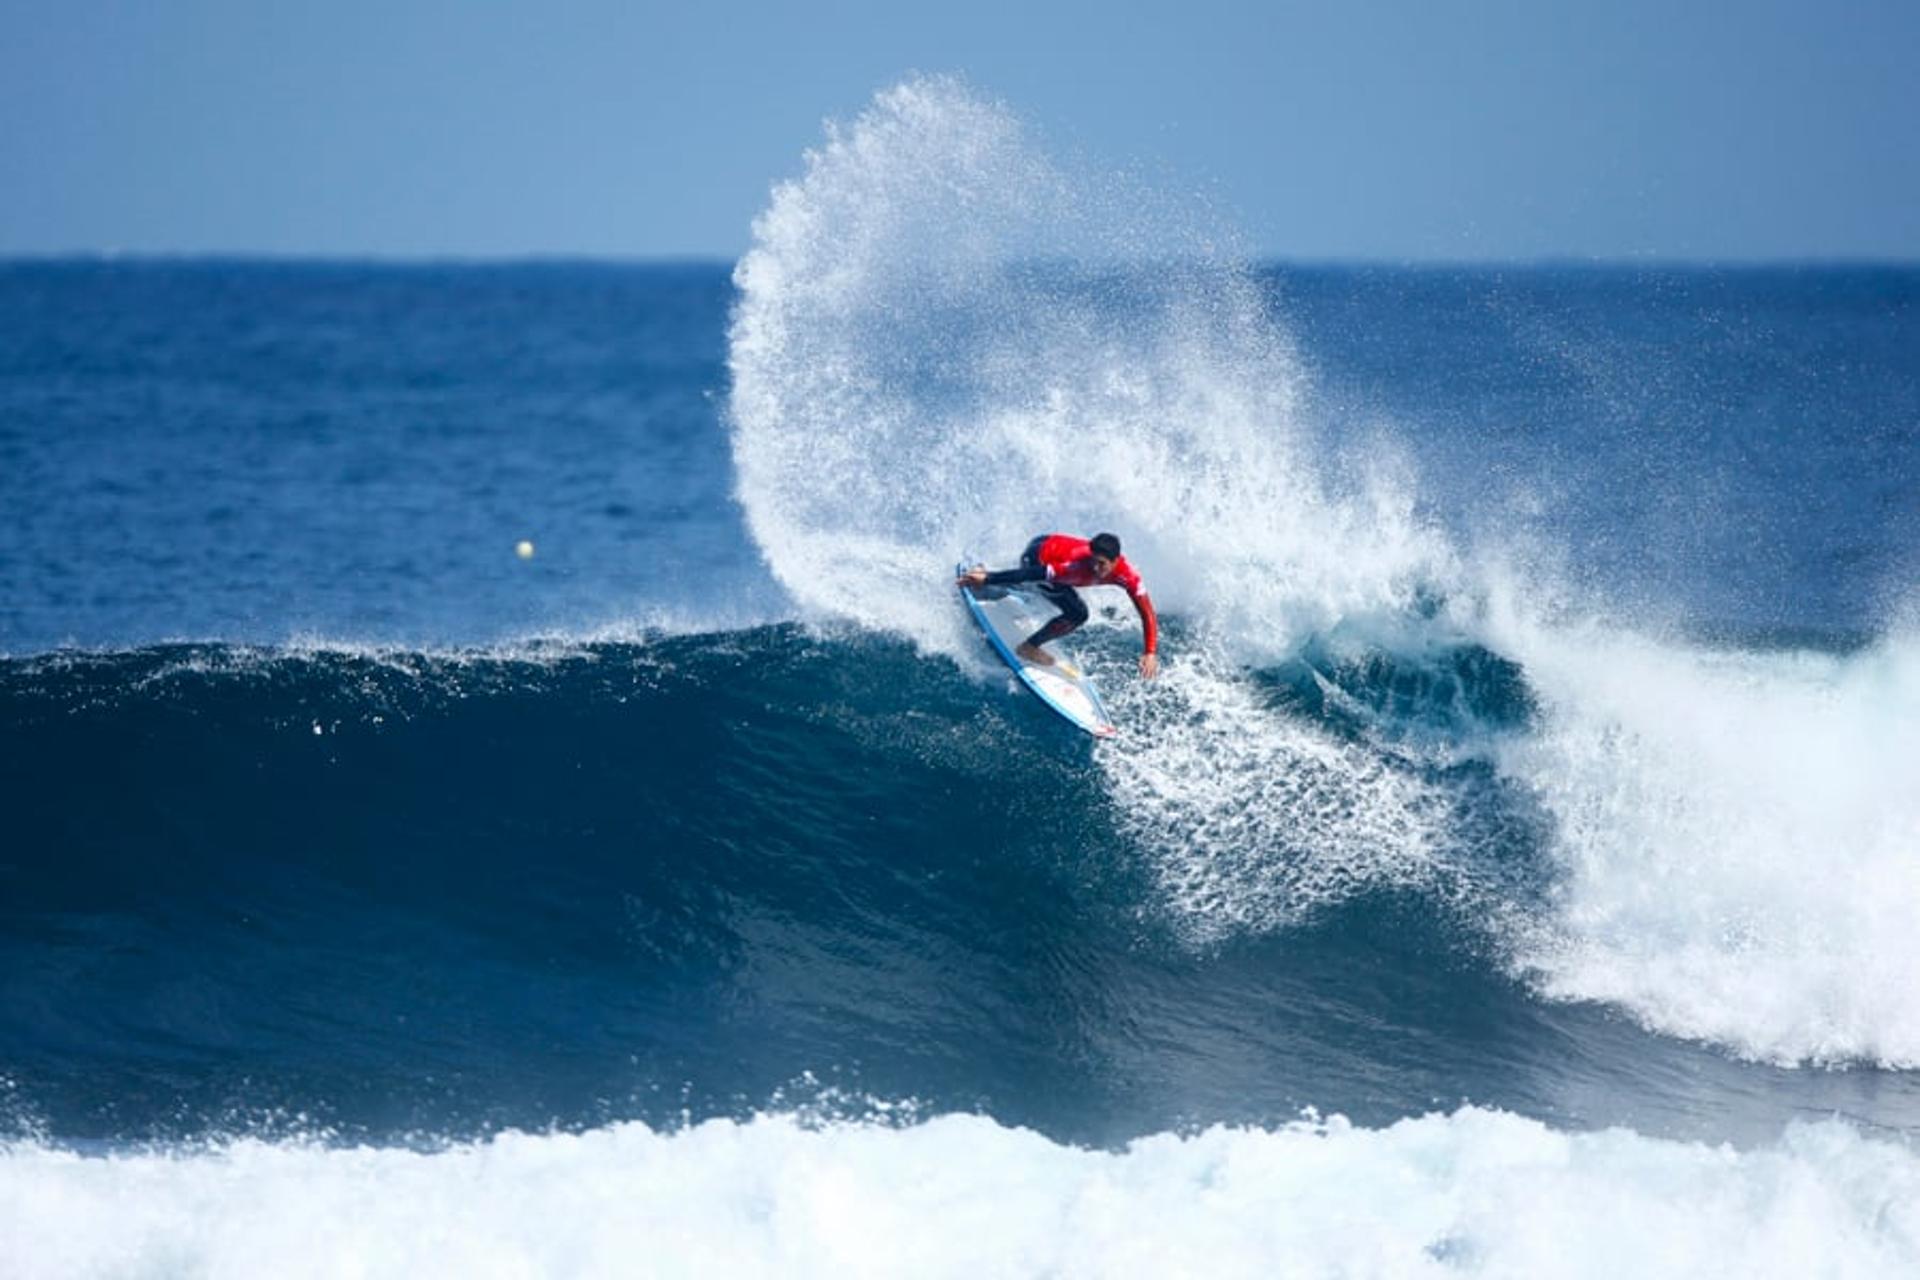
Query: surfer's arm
x,y
1150,625
1025,573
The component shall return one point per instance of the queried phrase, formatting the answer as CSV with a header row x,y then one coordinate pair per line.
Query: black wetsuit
x,y
1073,610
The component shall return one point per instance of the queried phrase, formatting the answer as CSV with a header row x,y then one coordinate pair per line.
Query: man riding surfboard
x,y
1059,562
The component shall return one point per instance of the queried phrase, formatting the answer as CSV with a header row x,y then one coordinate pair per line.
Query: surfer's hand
x,y
1149,665
973,577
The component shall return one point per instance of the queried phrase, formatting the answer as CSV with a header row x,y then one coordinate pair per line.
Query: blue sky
x,y
1347,131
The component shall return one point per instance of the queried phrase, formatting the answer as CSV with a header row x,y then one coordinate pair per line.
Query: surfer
x,y
1059,562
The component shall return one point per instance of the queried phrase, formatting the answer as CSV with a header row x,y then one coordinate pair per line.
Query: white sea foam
x,y
1475,1193
1738,839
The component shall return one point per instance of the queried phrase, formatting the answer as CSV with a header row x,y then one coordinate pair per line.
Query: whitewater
x,y
1473,1193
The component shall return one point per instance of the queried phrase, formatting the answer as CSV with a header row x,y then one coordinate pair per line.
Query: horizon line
x,y
404,260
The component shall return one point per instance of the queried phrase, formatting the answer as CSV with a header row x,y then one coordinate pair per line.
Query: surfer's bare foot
x,y
1034,653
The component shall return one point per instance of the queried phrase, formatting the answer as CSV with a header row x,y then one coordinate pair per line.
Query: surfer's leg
x,y
1073,612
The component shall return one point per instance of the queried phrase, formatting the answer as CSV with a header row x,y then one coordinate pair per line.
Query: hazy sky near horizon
x,y
1401,131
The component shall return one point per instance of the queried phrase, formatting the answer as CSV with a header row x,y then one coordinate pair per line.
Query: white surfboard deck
x,y
1009,615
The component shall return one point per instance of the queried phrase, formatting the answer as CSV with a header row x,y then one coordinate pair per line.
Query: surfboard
x,y
1009,615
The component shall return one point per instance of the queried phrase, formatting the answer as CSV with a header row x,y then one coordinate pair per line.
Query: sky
x,y
1338,131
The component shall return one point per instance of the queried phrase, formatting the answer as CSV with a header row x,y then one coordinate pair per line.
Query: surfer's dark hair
x,y
1106,544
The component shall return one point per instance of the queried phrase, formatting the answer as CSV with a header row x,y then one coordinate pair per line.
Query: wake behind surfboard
x,y
1009,615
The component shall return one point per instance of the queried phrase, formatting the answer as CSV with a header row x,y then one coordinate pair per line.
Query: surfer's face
x,y
1102,567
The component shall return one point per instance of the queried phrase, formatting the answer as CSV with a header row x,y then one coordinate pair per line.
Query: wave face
x,y
384,893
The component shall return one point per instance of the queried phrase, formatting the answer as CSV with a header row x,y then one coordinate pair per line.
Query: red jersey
x,y
1069,561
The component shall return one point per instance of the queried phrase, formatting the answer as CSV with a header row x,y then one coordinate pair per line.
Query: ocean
x,y
1515,870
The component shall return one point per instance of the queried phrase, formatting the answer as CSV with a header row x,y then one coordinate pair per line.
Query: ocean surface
x,y
1515,870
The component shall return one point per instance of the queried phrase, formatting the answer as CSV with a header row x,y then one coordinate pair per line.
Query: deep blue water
x,y
237,451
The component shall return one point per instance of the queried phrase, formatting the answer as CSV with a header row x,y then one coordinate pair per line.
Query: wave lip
x,y
1475,1192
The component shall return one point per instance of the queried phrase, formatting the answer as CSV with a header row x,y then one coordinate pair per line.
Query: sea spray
x,y
945,341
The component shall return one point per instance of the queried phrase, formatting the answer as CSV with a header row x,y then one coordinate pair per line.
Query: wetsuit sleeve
x,y
1025,573
1148,622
